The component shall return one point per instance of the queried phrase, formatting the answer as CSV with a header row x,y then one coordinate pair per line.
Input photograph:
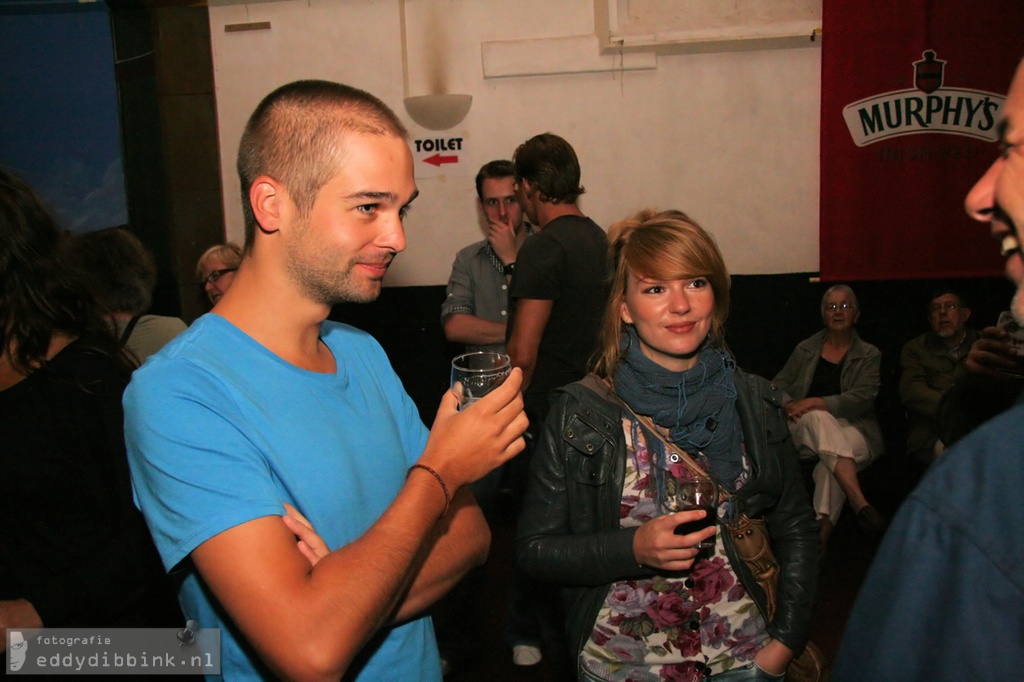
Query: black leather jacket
x,y
569,530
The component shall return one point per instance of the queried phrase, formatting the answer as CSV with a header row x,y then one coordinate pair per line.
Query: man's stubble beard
x,y
331,287
327,283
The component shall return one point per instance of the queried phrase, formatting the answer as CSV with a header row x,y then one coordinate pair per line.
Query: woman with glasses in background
x,y
831,381
216,269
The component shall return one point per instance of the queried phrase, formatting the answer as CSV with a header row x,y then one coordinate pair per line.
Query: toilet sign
x,y
435,156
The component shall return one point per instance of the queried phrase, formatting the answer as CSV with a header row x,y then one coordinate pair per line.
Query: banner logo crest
x,y
928,107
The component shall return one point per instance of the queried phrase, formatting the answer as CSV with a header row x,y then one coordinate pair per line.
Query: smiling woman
x,y
672,318
666,406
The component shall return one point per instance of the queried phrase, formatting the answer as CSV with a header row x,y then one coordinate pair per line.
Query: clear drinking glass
x,y
474,375
1009,324
700,493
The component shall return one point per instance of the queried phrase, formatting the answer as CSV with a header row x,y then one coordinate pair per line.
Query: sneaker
x,y
526,655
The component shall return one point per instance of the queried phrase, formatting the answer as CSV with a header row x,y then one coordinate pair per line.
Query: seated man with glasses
x,y
931,364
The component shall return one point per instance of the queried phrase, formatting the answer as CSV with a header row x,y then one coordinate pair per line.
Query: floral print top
x,y
680,626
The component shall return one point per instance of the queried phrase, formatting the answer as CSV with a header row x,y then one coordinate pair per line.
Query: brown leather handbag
x,y
754,547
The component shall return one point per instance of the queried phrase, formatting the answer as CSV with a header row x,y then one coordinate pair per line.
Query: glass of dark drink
x,y
699,493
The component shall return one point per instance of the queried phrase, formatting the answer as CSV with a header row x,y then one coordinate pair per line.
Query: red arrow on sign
x,y
437,159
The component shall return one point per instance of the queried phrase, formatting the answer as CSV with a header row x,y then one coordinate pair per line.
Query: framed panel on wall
x,y
675,27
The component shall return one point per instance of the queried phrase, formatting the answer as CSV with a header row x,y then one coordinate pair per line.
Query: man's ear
x,y
965,313
269,202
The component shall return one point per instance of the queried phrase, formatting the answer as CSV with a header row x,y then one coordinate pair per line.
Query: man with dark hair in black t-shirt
x,y
559,285
557,298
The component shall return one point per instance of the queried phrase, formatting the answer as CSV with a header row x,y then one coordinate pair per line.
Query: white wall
x,y
731,138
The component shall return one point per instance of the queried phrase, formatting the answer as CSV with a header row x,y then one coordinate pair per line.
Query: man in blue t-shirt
x,y
282,469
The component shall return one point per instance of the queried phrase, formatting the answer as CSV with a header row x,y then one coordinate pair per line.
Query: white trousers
x,y
819,434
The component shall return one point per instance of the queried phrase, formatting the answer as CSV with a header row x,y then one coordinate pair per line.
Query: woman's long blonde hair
x,y
663,245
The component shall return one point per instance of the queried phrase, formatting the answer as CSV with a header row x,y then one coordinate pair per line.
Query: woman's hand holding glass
x,y
657,546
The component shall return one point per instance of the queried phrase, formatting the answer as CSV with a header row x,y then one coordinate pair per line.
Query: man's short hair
x,y
295,136
551,166
493,170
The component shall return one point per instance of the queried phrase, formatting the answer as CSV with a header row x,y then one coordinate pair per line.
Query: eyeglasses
x,y
944,307
832,307
215,275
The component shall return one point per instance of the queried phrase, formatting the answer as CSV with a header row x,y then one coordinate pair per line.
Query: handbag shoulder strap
x,y
684,456
129,328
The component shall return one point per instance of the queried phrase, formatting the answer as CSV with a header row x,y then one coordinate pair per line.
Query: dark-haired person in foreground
x,y
263,403
944,599
74,550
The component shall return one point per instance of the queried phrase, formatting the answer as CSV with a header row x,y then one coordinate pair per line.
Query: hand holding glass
x,y
1016,340
700,493
474,375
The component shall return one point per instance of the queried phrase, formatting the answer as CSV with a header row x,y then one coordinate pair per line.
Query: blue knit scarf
x,y
697,407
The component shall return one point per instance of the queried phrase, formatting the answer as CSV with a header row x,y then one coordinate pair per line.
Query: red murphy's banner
x,y
910,105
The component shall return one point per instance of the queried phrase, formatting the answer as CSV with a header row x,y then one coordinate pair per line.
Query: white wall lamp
x,y
434,112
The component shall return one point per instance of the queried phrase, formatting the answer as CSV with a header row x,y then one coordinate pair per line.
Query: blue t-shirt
x,y
221,431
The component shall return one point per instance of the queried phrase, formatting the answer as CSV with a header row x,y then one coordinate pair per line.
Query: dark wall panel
x,y
59,109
